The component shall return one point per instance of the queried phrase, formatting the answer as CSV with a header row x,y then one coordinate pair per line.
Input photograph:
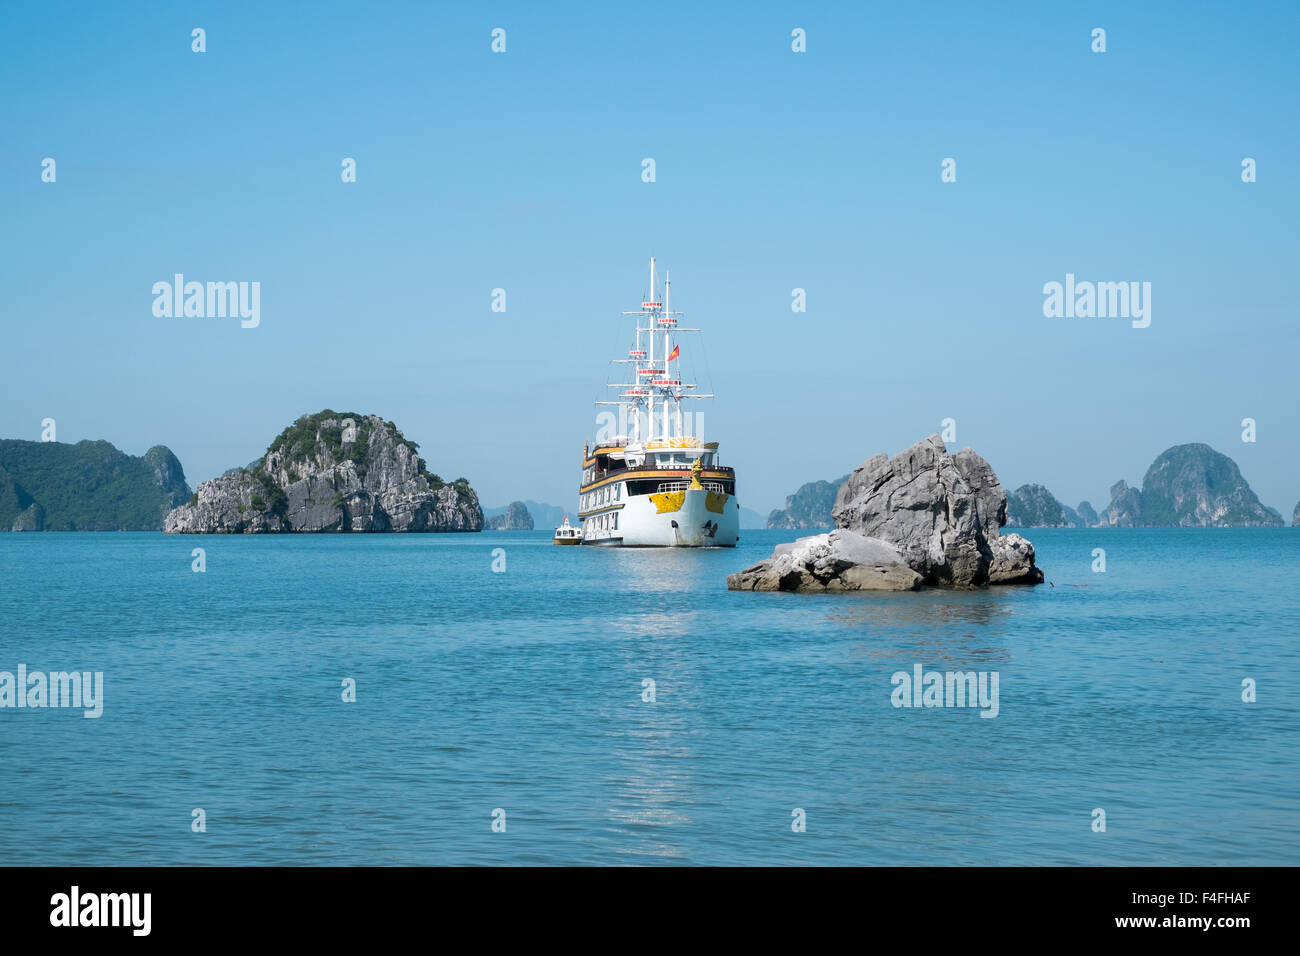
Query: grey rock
x,y
990,499
1087,515
1295,516
835,561
935,515
939,510
1013,561
225,505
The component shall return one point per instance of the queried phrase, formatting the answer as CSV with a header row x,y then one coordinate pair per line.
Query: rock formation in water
x,y
1125,508
332,472
515,518
809,507
1186,486
1295,516
1193,486
89,486
1033,506
935,515
838,560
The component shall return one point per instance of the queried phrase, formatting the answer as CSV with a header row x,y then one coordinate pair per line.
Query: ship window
x,y
618,492
615,520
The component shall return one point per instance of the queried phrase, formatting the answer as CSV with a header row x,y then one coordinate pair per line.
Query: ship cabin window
x,y
615,520
684,459
618,493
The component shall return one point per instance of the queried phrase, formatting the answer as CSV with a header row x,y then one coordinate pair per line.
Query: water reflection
x,y
961,628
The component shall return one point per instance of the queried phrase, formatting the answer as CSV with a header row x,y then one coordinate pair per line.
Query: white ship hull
x,y
641,523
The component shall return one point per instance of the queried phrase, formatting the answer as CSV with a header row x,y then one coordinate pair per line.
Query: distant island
x,y
331,472
89,486
809,507
515,517
544,516
1186,486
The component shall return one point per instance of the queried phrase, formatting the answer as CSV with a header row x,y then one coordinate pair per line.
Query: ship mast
x,y
653,384
650,423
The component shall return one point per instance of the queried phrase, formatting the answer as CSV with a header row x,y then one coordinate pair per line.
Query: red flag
x,y
672,355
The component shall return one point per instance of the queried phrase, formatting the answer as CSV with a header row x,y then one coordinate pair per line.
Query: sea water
x,y
605,706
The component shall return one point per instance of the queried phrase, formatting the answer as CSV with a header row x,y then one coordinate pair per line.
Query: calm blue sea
x,y
522,691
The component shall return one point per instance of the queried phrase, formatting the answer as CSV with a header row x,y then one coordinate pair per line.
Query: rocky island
x,y
515,518
1033,506
921,518
1187,486
89,486
331,472
809,507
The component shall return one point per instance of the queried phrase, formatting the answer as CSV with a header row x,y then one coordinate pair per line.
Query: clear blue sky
x,y
775,170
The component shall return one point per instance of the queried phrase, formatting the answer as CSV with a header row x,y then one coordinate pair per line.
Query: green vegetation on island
x,y
330,472
89,486
809,507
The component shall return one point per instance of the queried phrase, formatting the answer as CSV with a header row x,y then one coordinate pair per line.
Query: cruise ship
x,y
658,485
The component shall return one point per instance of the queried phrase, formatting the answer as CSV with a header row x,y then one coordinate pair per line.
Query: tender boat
x,y
567,534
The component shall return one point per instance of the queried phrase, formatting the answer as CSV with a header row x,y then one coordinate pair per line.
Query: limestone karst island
x,y
331,472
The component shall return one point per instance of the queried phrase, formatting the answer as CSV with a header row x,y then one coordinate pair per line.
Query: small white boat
x,y
567,534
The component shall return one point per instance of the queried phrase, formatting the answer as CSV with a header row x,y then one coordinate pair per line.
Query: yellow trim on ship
x,y
676,443
668,501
